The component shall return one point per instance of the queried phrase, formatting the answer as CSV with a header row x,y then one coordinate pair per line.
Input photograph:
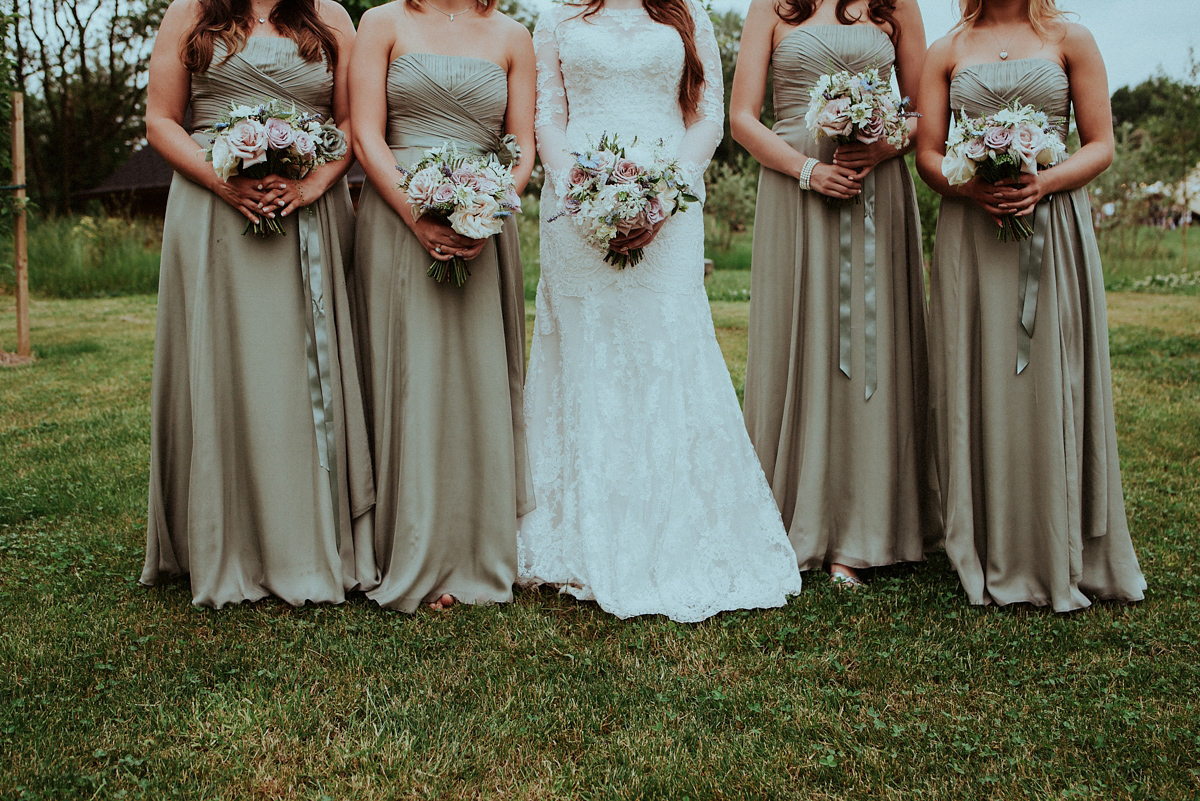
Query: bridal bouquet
x,y
1012,141
857,107
272,139
473,195
614,189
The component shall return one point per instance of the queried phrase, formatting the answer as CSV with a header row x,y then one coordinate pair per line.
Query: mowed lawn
x,y
903,691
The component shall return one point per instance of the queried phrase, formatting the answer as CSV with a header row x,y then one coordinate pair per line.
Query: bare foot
x,y
444,602
845,576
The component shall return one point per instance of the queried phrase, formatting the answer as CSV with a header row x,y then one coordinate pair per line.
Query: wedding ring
x,y
438,248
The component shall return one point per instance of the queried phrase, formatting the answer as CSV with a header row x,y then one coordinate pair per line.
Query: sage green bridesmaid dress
x,y
445,365
260,474
836,374
1022,389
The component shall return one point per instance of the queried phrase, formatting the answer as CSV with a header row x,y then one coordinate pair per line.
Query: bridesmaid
x,y
260,477
1028,450
836,375
445,365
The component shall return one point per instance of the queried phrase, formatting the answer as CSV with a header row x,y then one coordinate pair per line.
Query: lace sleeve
x,y
550,121
706,130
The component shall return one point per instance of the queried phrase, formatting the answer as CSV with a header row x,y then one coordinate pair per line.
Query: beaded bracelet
x,y
806,173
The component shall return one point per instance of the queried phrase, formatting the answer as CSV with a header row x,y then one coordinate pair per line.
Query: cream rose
x,y
248,141
224,162
957,168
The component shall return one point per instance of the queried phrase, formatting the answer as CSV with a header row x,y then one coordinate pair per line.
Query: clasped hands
x,y
266,197
851,162
1014,196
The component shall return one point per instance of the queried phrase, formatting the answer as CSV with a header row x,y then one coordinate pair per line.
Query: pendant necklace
x,y
1003,46
447,13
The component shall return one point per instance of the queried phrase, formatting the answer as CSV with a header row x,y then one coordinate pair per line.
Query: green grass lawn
x,y
904,691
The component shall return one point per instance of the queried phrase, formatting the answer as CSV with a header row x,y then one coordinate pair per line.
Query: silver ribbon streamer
x,y
845,286
316,345
1032,251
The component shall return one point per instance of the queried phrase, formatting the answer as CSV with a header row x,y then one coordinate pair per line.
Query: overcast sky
x,y
1135,36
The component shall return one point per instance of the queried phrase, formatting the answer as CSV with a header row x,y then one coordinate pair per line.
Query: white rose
x,y
478,220
957,168
224,162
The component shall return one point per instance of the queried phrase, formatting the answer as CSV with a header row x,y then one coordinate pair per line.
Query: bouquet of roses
x,y
473,195
614,189
1012,141
857,107
272,139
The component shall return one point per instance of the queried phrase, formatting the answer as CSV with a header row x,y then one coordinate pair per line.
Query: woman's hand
x,y
835,180
246,195
1002,199
1021,195
637,238
286,195
443,242
863,158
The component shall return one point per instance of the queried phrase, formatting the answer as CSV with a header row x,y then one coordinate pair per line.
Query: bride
x,y
650,499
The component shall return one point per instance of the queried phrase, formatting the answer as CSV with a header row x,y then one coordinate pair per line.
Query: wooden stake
x,y
21,262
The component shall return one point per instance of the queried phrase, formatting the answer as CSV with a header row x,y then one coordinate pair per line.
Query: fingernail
x,y
284,214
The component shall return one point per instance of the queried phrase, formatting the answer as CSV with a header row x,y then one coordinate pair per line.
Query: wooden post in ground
x,y
21,260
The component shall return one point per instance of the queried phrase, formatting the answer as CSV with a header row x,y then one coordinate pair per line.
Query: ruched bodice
x,y
435,98
983,89
267,67
811,51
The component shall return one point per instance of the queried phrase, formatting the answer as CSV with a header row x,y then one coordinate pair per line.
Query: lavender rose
x,y
571,206
279,134
655,212
464,176
997,138
975,150
443,194
304,144
872,131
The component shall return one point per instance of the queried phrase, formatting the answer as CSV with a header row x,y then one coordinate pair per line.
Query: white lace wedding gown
x,y
650,499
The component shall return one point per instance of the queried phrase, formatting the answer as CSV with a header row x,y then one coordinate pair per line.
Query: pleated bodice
x,y
983,89
267,67
436,98
811,51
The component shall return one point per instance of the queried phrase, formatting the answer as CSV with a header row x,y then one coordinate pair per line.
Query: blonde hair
x,y
1041,12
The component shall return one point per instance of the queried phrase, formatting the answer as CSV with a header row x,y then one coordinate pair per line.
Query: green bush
x,y
87,257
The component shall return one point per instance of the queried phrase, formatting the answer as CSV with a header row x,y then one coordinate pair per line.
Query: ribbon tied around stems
x,y
845,286
1032,251
317,348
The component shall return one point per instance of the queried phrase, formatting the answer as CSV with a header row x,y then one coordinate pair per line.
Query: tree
x,y
82,64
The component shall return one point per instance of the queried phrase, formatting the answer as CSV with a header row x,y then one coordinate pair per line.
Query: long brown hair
x,y
881,12
1040,13
230,22
676,14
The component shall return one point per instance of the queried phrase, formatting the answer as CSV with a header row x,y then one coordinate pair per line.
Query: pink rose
x,y
833,119
998,138
279,134
872,131
511,199
248,142
443,194
634,223
655,212
625,172
422,186
304,144
578,176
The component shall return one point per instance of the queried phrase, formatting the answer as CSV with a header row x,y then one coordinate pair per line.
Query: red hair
x,y
881,12
231,21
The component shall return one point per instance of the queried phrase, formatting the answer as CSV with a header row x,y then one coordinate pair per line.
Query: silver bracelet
x,y
806,173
